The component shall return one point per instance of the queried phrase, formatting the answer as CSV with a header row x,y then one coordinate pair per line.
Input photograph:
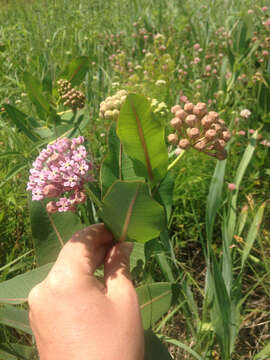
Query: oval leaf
x,y
15,317
51,231
139,217
143,138
117,165
35,92
20,120
154,348
155,300
16,290
76,70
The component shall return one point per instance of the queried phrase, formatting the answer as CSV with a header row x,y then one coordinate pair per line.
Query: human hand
x,y
75,316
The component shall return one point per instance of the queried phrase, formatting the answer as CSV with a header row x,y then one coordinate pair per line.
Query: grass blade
x,y
238,179
252,234
214,198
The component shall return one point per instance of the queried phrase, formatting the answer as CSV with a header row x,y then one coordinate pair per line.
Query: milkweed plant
x,y
135,172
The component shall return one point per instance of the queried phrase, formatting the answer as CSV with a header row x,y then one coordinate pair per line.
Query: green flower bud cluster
x,y
197,128
72,98
110,107
159,108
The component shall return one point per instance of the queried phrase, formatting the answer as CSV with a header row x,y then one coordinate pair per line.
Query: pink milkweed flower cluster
x,y
266,23
60,171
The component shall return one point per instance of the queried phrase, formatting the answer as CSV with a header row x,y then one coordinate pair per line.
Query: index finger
x,y
86,250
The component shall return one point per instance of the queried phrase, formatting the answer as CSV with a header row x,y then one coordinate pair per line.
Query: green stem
x,y
175,161
93,197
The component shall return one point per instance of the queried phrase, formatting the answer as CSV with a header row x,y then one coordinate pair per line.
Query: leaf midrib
x,y
143,142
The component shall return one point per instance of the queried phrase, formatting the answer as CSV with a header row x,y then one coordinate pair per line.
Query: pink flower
x,y
61,170
266,23
241,133
231,186
196,46
264,8
183,99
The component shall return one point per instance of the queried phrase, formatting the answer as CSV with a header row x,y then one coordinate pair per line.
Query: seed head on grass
x,y
60,171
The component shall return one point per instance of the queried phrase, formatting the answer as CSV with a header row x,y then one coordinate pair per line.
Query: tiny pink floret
x,y
231,187
60,171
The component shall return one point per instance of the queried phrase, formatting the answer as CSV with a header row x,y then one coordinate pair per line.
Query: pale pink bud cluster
x,y
60,171
197,128
245,113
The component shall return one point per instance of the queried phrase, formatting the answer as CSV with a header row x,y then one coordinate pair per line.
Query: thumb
x,y
116,273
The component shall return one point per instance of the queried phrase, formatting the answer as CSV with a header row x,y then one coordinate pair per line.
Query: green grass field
x,y
216,52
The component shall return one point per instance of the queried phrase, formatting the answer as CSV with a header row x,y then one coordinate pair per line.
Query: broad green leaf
x,y
264,354
164,193
155,300
71,125
44,132
116,165
76,70
15,317
137,257
16,290
35,92
20,120
252,234
247,156
139,216
74,124
214,197
154,348
51,231
143,138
